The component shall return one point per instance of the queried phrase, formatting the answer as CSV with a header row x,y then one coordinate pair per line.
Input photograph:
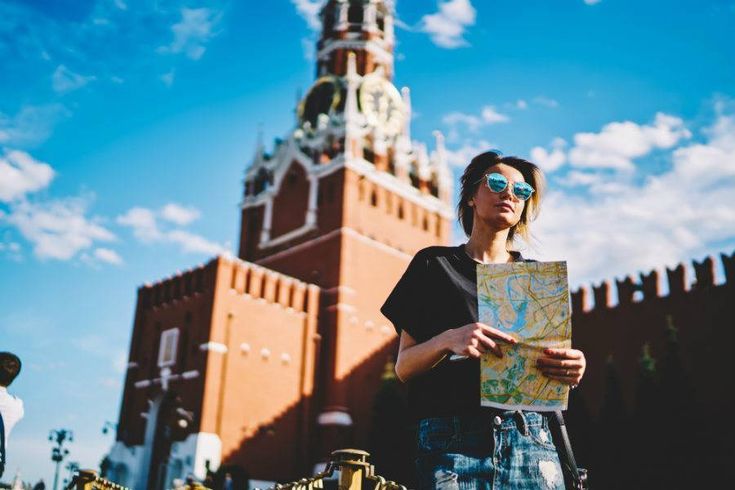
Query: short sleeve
x,y
403,306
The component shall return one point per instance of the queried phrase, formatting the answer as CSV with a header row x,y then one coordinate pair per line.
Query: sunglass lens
x,y
497,182
522,190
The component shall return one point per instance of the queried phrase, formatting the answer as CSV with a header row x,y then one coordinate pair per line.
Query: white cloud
x,y
145,226
309,10
670,217
454,118
521,104
178,214
31,125
619,143
592,2
488,115
20,174
192,243
192,32
550,160
309,48
492,116
168,78
546,102
9,247
447,26
58,229
64,80
108,256
460,157
143,223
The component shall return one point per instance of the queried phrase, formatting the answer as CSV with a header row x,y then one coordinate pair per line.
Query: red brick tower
x,y
344,201
270,360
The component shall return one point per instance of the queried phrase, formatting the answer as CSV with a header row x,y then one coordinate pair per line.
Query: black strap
x,y
2,445
569,460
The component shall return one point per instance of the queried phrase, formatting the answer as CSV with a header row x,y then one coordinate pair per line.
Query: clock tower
x,y
273,359
344,201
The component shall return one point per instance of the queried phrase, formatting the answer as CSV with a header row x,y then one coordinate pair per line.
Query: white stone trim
x,y
391,183
190,374
295,248
381,54
143,383
330,235
347,308
214,347
335,418
377,244
340,290
302,230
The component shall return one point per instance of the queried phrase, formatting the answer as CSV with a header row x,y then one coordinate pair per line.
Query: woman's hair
x,y
472,179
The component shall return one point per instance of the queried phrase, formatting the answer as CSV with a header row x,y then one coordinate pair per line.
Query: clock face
x,y
382,104
326,95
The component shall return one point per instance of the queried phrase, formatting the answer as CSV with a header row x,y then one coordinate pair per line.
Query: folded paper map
x,y
530,301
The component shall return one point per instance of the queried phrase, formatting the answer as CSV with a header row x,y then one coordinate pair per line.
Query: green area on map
x,y
530,301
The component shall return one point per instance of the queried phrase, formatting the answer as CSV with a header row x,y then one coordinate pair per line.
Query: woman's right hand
x,y
474,339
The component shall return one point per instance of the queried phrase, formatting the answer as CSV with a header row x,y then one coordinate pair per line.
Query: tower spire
x,y
361,26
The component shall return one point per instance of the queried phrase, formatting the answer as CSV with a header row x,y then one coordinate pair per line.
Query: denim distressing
x,y
492,450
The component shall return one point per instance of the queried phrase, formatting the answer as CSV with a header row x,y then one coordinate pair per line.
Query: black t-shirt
x,y
438,292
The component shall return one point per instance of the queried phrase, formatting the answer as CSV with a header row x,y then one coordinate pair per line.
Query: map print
x,y
530,301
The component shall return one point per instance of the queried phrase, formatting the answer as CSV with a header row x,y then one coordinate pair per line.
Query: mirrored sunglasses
x,y
498,183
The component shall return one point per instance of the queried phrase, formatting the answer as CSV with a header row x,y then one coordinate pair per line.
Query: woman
x,y
434,309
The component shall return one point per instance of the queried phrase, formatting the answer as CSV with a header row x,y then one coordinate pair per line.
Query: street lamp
x,y
72,467
108,427
59,452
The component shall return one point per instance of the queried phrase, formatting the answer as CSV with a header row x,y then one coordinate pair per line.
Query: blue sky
x,y
126,126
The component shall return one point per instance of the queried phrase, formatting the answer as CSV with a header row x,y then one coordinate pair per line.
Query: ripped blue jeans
x,y
494,450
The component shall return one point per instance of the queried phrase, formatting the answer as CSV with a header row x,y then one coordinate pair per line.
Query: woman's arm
x,y
470,340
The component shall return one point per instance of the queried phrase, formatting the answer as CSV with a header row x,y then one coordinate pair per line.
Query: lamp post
x,y
72,467
59,452
109,426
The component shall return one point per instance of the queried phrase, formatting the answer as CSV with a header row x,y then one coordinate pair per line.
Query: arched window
x,y
354,14
361,189
374,198
262,181
434,186
413,174
381,21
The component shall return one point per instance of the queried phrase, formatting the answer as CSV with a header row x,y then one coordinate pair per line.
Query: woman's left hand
x,y
565,365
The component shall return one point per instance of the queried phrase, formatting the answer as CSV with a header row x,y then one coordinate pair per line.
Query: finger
x,y
565,353
490,345
494,332
562,372
477,344
473,352
569,380
547,361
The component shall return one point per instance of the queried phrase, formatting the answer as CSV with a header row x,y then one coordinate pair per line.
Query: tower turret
x,y
364,27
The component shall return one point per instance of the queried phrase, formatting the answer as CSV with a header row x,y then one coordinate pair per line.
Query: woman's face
x,y
499,210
